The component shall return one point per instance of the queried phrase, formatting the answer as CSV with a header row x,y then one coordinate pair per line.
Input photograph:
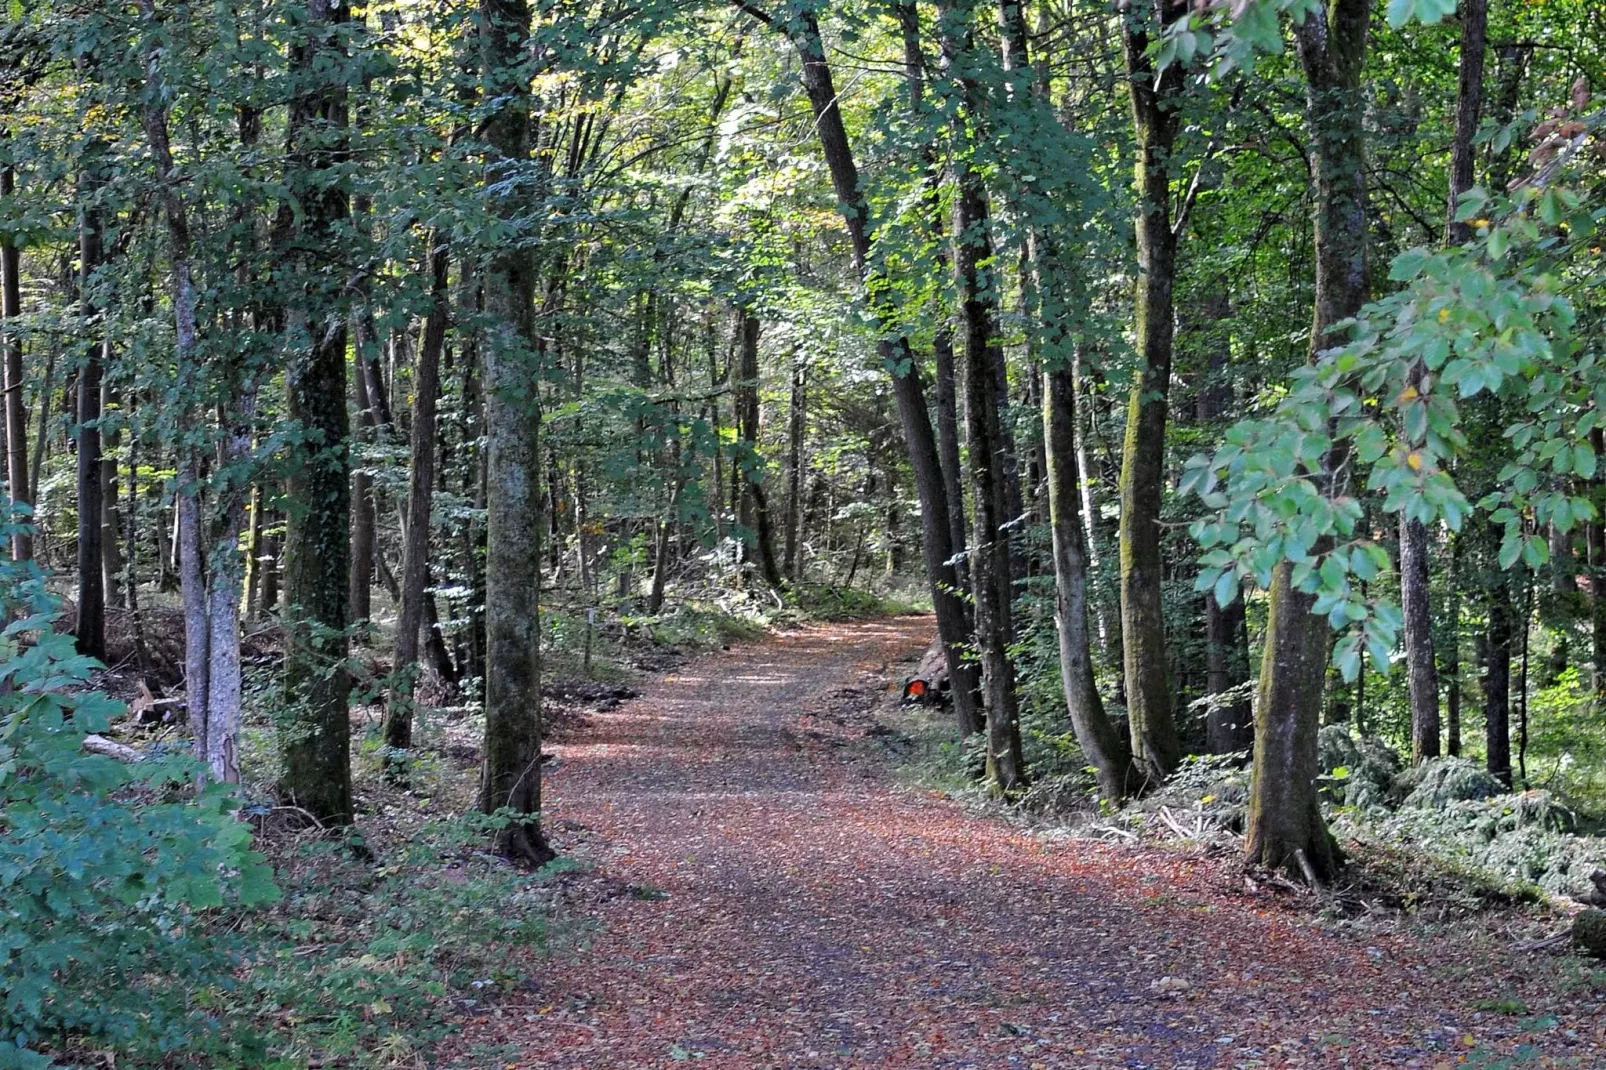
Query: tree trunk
x,y
11,352
511,782
1597,573
315,736
255,546
1155,121
223,679
111,517
1229,727
1109,637
1415,589
754,510
192,576
360,596
991,568
945,391
794,466
91,627
420,491
1468,110
1285,828
1421,668
804,32
1497,676
1452,654
1102,745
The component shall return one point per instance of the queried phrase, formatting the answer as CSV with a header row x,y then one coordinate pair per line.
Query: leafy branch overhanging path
x,y
789,906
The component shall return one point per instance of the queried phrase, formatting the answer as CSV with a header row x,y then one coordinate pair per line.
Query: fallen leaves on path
x,y
792,908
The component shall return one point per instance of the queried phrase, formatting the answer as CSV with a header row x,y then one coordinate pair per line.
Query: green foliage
x,y
109,872
1493,319
366,959
1438,782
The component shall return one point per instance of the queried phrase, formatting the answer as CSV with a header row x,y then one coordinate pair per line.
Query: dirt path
x,y
781,906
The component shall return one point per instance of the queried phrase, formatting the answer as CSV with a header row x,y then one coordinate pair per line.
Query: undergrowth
x,y
370,962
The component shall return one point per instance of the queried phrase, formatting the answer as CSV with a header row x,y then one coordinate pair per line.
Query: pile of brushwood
x,y
1449,809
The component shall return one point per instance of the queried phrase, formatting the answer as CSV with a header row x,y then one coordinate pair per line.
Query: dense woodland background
x,y
1194,364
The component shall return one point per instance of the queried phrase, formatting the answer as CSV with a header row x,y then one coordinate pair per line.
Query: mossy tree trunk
x,y
1155,122
511,778
1285,828
315,735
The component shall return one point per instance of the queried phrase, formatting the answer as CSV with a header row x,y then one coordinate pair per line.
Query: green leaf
x,y
1408,265
1510,551
1226,588
1498,242
1584,460
1400,12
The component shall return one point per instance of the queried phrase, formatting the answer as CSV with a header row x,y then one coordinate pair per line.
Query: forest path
x,y
765,899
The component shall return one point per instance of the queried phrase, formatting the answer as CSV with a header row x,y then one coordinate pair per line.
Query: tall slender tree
x,y
1156,122
315,737
511,780
803,30
1285,827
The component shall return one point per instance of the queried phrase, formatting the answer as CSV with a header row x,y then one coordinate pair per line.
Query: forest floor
x,y
758,891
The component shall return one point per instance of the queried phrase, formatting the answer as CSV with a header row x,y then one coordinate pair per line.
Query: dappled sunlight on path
x,y
793,908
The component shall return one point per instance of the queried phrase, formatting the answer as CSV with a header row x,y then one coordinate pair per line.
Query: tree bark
x,y
11,353
111,523
90,631
1468,111
360,596
225,575
511,782
1497,675
420,491
1102,745
1422,673
1230,727
945,390
187,489
315,733
1285,828
754,506
1415,589
1597,573
794,465
1452,655
1155,121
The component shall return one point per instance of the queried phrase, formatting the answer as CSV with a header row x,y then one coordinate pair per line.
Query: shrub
x,y
105,868
1439,782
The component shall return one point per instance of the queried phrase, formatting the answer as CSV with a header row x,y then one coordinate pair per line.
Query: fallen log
x,y
112,749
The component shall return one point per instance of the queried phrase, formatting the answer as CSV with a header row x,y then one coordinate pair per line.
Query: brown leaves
x,y
814,914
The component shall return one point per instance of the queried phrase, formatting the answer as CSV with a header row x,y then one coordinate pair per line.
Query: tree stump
x,y
929,684
1589,932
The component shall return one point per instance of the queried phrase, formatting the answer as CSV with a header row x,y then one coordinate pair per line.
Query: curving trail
x,y
779,904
